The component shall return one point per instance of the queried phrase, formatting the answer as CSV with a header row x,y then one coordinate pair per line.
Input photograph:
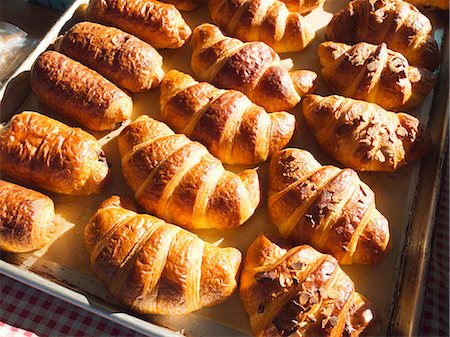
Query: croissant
x,y
252,68
440,4
233,128
374,74
41,151
397,23
124,59
363,135
302,6
326,207
300,292
27,218
179,181
79,92
269,21
153,267
157,23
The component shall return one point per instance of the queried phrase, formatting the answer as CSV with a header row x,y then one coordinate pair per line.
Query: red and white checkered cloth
x,y
25,311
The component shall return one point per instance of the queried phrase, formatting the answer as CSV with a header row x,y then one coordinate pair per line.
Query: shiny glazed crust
x,y
78,92
122,58
154,267
252,68
269,21
302,6
363,135
35,148
397,23
299,292
157,23
329,208
27,218
179,181
233,128
374,74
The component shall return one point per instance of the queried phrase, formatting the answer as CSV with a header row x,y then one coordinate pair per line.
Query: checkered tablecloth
x,y
25,311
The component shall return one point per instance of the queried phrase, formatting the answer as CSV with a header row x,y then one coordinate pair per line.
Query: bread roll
x,y
122,58
78,92
41,151
27,218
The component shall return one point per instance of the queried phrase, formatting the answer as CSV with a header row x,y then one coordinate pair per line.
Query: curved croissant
x,y
374,74
27,218
269,21
153,267
41,151
233,128
363,135
252,68
300,292
329,208
397,23
180,181
157,23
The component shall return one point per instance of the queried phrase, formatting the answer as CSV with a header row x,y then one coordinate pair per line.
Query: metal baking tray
x,y
407,198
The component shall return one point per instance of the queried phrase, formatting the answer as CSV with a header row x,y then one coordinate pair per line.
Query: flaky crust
x,y
78,92
269,21
302,6
185,5
233,128
375,74
326,207
43,152
397,23
363,135
154,267
299,292
27,218
252,68
122,58
180,181
157,23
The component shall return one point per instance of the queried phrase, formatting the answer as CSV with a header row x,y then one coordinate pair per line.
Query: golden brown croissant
x,y
41,151
79,92
233,128
300,292
27,218
157,23
179,181
153,267
441,4
374,74
263,20
124,59
329,208
252,68
397,23
363,135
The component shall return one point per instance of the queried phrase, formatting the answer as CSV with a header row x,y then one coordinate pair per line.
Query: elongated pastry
x,y
252,68
157,23
397,23
154,267
363,135
374,74
78,92
440,4
233,128
302,6
27,218
300,292
122,58
179,181
41,151
269,21
329,208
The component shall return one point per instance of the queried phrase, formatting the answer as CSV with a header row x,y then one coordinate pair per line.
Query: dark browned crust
x,y
78,92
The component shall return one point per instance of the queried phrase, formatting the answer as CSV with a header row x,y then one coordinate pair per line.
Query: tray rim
x,y
408,294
